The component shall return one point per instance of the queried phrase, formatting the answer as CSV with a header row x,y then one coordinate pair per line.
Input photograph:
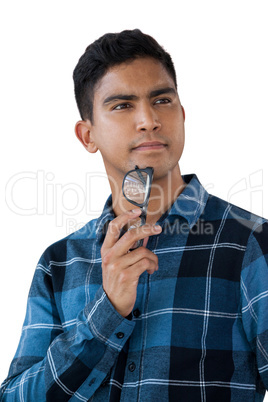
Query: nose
x,y
147,119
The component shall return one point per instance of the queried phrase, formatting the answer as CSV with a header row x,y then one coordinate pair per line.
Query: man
x,y
182,318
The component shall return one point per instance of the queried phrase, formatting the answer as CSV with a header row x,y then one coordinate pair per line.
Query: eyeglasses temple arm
x,y
140,175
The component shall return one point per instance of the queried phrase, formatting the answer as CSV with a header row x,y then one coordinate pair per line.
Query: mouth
x,y
150,146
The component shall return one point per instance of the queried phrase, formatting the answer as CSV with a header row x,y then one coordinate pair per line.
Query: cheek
x,y
112,144
178,138
173,118
114,126
181,140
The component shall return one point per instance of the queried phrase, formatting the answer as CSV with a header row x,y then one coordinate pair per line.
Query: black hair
x,y
107,51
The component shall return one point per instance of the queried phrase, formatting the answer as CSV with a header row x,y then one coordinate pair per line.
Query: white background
x,y
52,185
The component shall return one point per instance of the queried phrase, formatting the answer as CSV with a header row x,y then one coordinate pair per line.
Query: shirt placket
x,y
137,343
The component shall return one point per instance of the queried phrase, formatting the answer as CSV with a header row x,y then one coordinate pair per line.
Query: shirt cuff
x,y
106,324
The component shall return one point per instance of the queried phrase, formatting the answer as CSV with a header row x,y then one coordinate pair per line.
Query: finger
x,y
137,262
145,241
116,225
139,254
144,244
145,264
131,236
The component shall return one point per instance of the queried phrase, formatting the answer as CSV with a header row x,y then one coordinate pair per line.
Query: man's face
x,y
138,119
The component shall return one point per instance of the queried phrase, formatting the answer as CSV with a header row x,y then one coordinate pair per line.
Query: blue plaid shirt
x,y
199,328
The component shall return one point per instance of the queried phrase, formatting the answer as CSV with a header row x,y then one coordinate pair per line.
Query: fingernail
x,y
157,228
136,211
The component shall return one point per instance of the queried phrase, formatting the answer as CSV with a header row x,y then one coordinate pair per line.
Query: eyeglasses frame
x,y
144,205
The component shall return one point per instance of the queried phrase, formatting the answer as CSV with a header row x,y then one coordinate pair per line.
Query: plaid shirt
x,y
199,328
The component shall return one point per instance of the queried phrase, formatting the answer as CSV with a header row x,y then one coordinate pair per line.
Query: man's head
x,y
110,50
138,117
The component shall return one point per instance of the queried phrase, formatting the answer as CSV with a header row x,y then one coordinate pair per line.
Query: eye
x,y
162,101
122,106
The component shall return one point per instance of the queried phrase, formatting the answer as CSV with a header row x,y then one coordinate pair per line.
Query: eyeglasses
x,y
136,189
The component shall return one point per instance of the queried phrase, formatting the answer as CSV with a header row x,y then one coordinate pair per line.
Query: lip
x,y
150,145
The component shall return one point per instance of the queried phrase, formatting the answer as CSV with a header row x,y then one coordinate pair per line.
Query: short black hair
x,y
107,51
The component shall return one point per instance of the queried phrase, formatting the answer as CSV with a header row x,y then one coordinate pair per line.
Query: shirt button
x,y
92,381
132,367
136,313
120,335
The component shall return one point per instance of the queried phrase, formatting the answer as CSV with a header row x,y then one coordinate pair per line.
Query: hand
x,y
121,269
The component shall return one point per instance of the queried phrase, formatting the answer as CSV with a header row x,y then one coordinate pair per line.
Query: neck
x,y
164,192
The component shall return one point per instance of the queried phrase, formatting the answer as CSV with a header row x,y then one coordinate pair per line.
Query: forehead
x,y
136,76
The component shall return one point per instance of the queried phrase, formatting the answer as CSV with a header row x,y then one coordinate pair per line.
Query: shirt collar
x,y
106,217
190,205
191,202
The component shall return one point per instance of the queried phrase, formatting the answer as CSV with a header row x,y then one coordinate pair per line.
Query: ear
x,y
183,112
83,133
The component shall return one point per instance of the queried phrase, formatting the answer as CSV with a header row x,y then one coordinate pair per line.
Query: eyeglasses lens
x,y
136,186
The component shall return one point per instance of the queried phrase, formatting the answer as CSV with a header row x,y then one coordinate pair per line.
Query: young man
x,y
182,318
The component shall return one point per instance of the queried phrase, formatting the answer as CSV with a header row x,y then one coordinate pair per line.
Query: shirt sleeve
x,y
254,297
53,363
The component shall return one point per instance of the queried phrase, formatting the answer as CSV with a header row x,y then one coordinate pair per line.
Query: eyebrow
x,y
152,94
